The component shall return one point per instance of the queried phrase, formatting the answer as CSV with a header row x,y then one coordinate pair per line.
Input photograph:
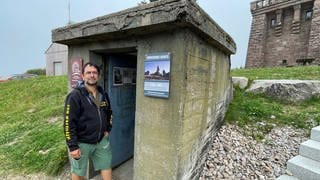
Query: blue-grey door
x,y
122,91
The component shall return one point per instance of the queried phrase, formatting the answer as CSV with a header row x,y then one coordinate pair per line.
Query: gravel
x,y
236,156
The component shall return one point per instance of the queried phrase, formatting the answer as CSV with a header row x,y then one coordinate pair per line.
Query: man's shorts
x,y
99,153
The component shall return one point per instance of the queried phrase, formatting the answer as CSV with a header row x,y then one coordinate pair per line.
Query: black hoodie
x,y
83,121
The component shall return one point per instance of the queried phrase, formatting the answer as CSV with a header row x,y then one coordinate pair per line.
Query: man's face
x,y
90,75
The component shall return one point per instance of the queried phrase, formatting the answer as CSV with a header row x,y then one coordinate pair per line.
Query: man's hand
x,y
106,134
76,154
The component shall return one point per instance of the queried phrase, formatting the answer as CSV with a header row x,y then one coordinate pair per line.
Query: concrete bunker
x,y
165,124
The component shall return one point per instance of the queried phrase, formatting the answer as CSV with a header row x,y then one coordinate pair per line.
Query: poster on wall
x,y
124,76
75,71
157,74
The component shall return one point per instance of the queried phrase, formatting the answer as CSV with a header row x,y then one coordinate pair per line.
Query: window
x,y
284,62
273,22
308,14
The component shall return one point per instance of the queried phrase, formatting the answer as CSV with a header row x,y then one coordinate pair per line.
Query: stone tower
x,y
284,33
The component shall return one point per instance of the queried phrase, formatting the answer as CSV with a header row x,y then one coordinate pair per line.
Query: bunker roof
x,y
154,17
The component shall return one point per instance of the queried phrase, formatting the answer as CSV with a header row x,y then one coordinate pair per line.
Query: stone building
x,y
166,67
284,33
56,60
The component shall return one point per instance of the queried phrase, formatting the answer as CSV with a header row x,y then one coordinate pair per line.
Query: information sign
x,y
157,74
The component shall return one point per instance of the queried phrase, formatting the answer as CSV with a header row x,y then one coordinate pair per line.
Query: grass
x,y
258,114
31,135
298,72
31,132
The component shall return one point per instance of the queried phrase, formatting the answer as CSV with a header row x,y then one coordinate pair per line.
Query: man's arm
x,y
71,115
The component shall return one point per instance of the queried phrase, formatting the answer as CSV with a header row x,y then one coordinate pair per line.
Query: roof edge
x,y
173,13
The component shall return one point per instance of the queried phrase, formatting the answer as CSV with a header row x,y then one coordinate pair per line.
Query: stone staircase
x,y
306,165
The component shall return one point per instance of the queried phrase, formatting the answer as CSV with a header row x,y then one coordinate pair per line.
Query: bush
x,y
37,71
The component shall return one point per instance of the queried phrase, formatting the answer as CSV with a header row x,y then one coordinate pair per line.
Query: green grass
x,y
299,72
31,135
258,114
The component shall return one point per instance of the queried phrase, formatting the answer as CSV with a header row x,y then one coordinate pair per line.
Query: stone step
x,y
315,133
286,177
304,168
310,149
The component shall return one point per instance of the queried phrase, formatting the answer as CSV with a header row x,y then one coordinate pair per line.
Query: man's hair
x,y
90,64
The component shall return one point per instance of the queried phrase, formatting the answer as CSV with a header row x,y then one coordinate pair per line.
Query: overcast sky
x,y
25,26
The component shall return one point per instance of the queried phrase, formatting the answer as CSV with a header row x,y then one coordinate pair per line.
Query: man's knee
x,y
106,174
76,177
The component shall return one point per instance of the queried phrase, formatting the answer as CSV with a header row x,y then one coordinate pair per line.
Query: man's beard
x,y
91,84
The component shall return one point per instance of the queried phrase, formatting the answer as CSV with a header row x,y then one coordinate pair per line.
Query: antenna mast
x,y
69,18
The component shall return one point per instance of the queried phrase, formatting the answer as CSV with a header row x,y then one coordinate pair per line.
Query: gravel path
x,y
235,156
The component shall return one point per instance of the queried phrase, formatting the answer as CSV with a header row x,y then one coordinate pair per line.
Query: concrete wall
x,y
158,121
206,95
172,134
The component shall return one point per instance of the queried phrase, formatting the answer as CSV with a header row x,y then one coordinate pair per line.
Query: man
x,y
87,124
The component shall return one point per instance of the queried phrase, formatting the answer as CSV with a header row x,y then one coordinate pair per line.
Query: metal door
x,y
57,68
122,92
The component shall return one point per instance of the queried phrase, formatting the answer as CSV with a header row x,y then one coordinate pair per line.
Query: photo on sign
x,y
157,70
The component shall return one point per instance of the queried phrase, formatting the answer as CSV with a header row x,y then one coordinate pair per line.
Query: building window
x,y
308,14
273,22
284,62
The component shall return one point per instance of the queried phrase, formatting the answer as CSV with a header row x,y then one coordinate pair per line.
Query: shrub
x,y
38,71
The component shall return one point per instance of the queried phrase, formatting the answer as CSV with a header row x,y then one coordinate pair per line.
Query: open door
x,y
122,91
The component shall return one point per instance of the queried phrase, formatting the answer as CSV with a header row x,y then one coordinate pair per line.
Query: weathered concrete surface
x,y
287,90
171,135
158,16
205,98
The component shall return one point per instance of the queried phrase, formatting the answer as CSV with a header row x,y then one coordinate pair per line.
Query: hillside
x,y
258,115
31,136
31,133
299,72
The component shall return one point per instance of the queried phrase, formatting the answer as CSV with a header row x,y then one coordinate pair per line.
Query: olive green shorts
x,y
99,153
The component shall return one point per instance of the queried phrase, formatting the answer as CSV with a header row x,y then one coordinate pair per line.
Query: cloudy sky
x,y
25,29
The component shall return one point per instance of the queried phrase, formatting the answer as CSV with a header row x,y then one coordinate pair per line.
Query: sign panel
x,y
157,74
76,68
